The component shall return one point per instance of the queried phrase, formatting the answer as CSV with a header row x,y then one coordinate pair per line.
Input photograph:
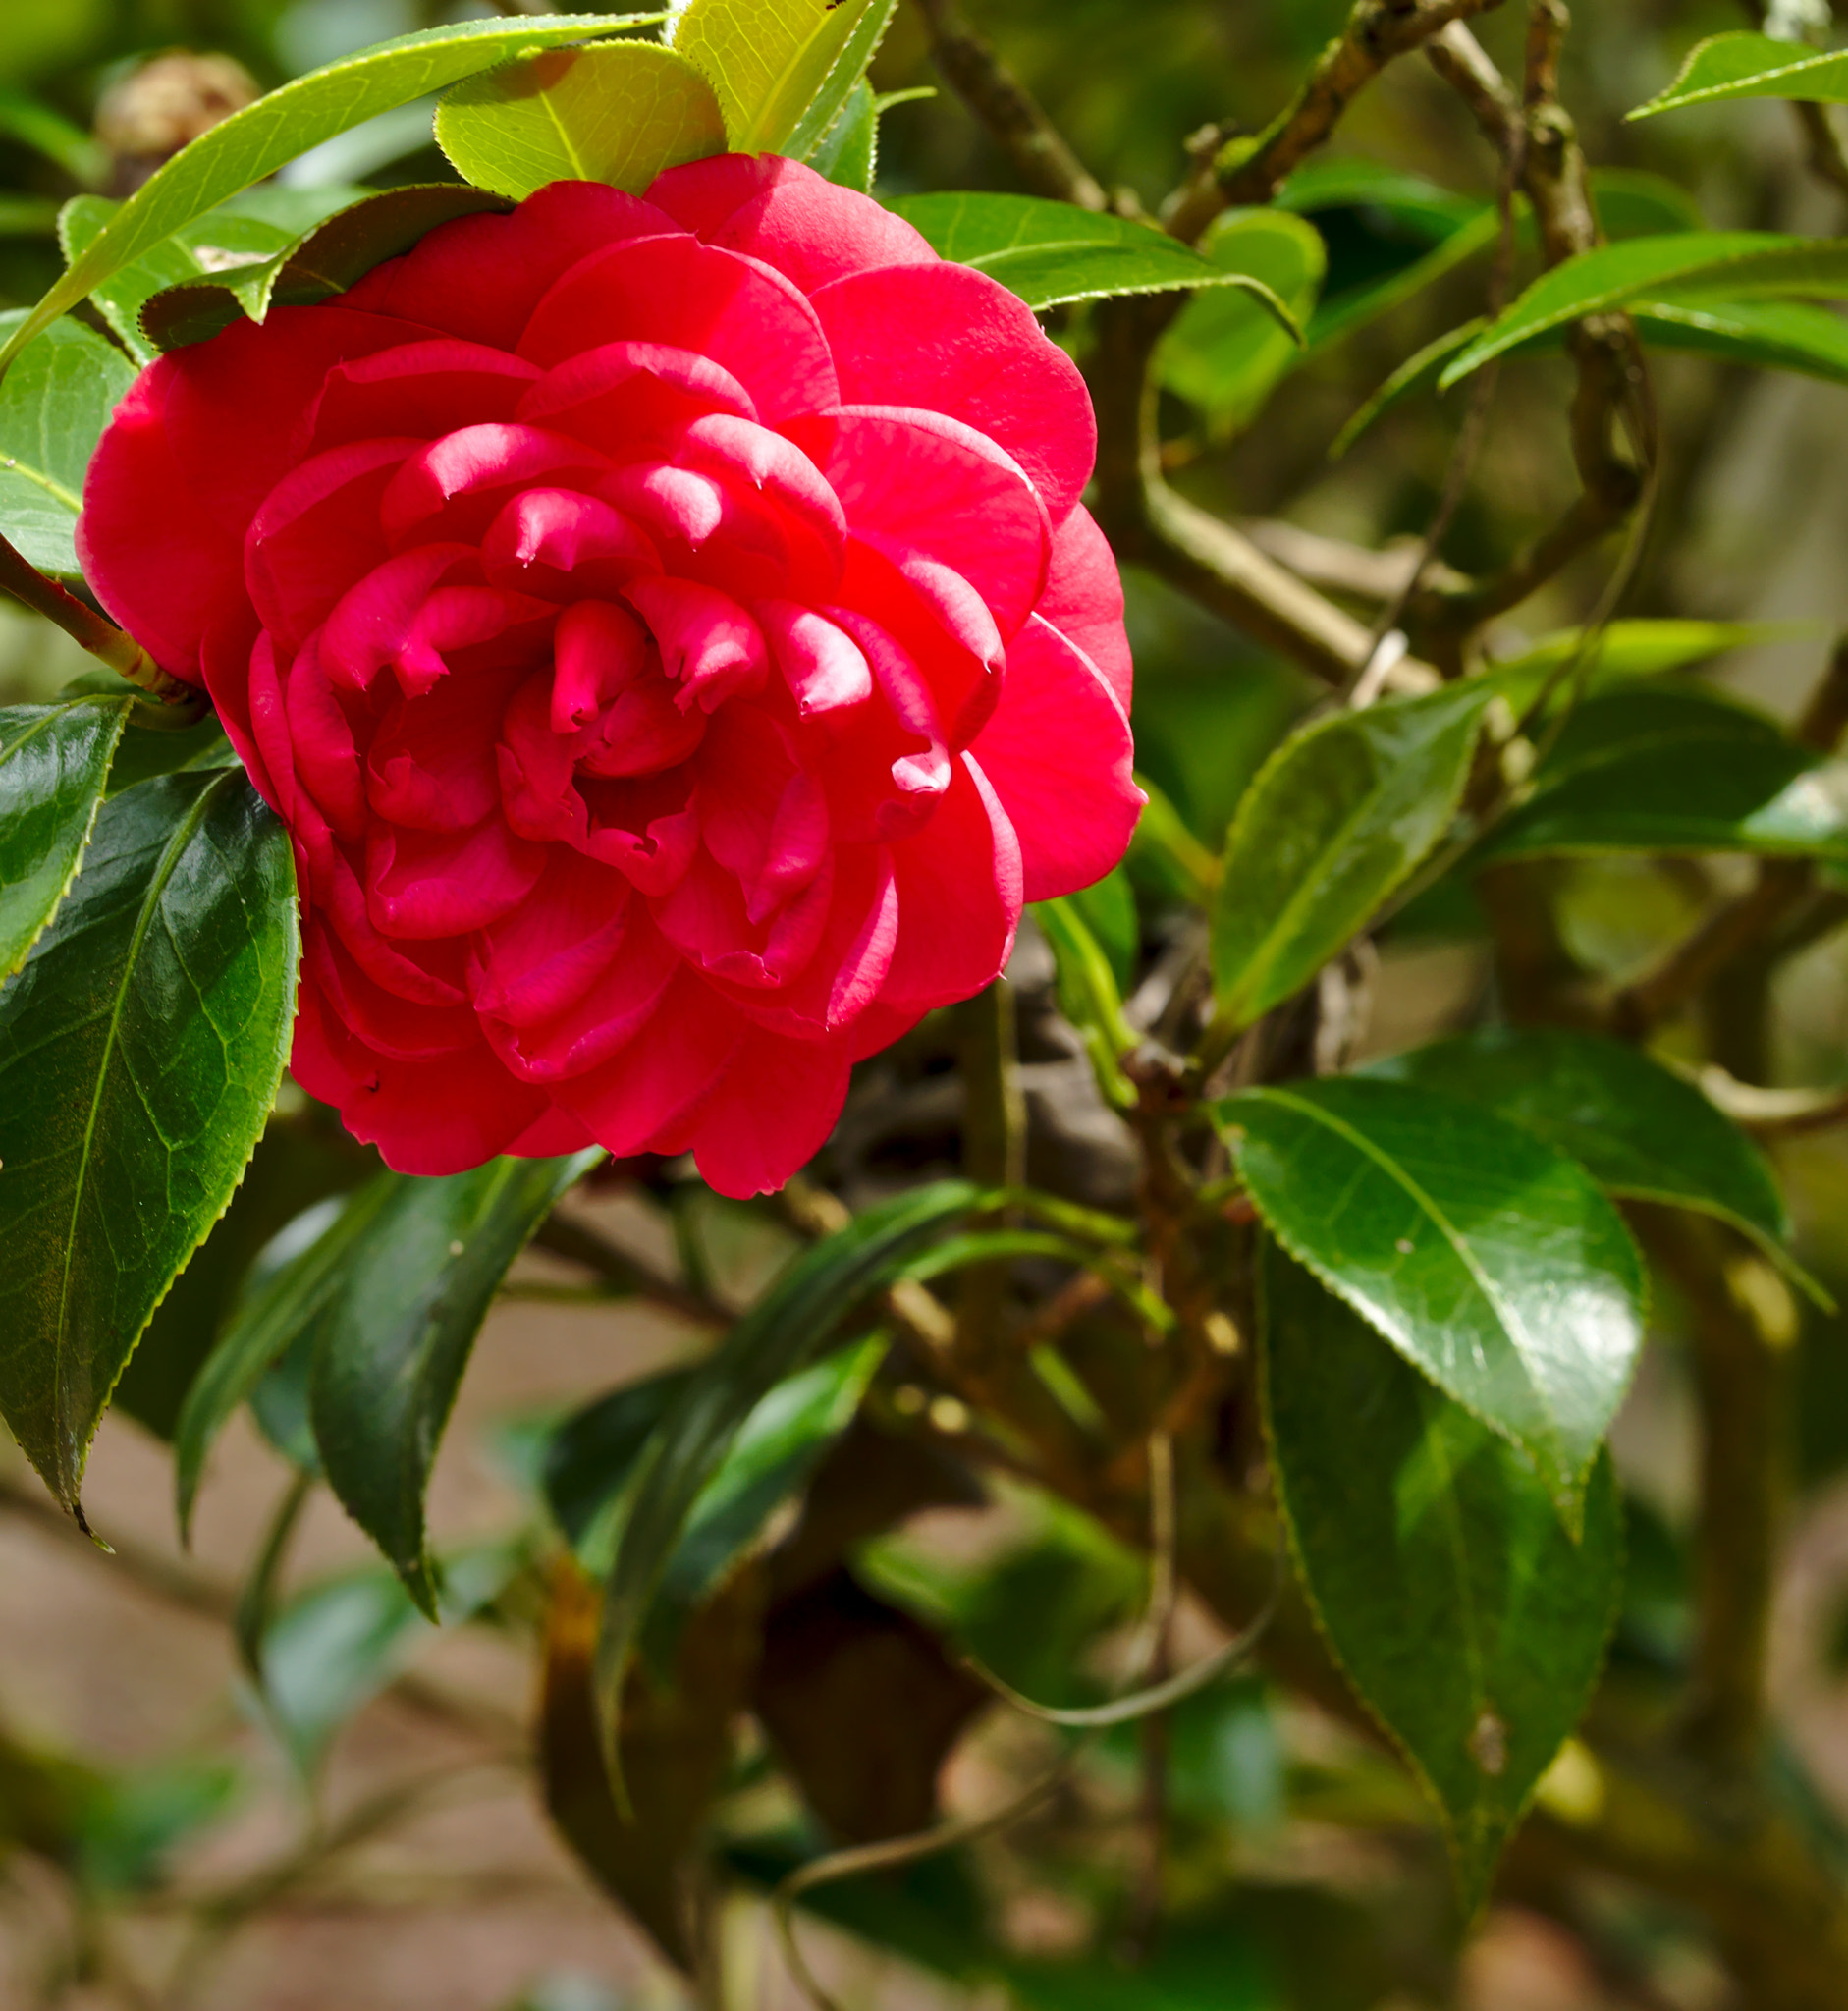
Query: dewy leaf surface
x,y
781,74
140,1049
787,1328
1469,1621
1490,1260
287,122
54,763
1686,267
1335,820
54,405
414,1289
615,112
1744,65
1636,1127
1053,252
1676,769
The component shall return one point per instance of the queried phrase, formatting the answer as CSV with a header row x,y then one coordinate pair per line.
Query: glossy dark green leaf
x,y
303,113
783,75
1639,1129
54,405
615,112
54,761
593,1454
239,241
268,1320
414,1291
1744,65
847,153
140,1049
1468,1620
329,259
1675,768
1335,821
1052,252
1682,267
786,1329
1488,1259
1227,351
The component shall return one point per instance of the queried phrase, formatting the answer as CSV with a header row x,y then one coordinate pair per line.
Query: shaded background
x,y
397,1855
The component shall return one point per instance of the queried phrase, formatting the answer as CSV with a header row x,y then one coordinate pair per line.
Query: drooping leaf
x,y
255,141
240,238
615,112
786,1329
54,760
1488,1259
140,1049
326,260
1639,1129
1681,267
54,405
782,75
1227,351
414,1291
1675,768
1052,252
1335,821
1744,65
1469,1621
270,1318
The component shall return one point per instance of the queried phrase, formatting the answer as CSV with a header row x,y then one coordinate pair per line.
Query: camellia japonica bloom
x,y
671,634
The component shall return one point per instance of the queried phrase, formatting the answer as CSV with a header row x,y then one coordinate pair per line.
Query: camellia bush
x,y
611,682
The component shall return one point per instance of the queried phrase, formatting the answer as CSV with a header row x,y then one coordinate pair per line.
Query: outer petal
x,y
788,216
1084,600
165,573
1060,757
771,1112
952,340
960,898
664,1072
480,277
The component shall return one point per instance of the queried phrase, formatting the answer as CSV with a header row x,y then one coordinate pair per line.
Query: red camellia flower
x,y
671,636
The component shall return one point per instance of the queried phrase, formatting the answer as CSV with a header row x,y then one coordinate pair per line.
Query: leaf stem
x,y
95,632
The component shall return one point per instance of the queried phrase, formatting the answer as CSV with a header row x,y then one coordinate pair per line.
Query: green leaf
x,y
1675,768
140,1049
776,1451
288,1301
847,153
54,760
784,1332
241,237
594,1453
82,156
1089,997
1637,1128
287,122
413,1293
1490,1260
1467,1619
1683,267
615,112
1338,818
784,74
1226,353
335,1647
1052,252
1744,65
328,259
53,408
1626,650
1108,907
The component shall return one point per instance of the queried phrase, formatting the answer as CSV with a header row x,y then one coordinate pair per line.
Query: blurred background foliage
x,y
1302,1873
